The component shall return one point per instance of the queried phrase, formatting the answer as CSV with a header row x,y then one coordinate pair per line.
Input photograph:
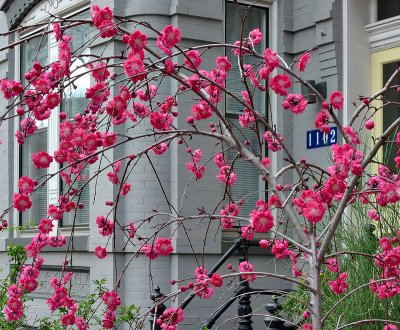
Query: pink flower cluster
x,y
106,227
246,268
112,301
311,205
339,285
389,262
194,167
170,318
103,20
169,37
202,286
230,210
162,246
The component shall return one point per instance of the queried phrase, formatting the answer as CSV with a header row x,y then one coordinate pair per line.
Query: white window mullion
x,y
53,142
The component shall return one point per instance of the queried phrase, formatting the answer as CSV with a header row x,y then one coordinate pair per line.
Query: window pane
x,y
247,185
36,49
388,8
390,113
256,18
82,215
33,144
31,51
74,102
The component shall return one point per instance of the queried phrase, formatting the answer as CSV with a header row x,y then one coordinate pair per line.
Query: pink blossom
x,y
22,202
216,280
262,221
247,232
100,72
336,100
385,244
28,125
11,315
197,170
219,160
280,249
340,285
14,291
161,121
266,162
126,188
26,185
134,69
149,251
111,299
159,149
54,212
45,226
10,88
201,111
374,215
296,103
332,265
170,36
271,58
137,40
41,159
264,244
163,246
321,122
351,134
314,211
132,230
170,318
57,241
223,63
100,252
303,61
192,59
226,175
369,124
247,267
255,36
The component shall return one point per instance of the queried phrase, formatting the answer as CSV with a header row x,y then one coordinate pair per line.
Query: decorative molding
x,y
80,282
384,34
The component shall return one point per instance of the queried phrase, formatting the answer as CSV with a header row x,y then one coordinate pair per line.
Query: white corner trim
x,y
384,34
345,60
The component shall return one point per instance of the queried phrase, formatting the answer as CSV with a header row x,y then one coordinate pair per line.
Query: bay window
x,y
44,49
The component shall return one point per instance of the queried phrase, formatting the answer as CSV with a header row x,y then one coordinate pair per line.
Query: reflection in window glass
x,y
256,18
388,8
248,185
390,113
33,144
36,49
74,102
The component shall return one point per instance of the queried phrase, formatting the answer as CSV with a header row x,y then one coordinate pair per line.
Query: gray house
x,y
356,44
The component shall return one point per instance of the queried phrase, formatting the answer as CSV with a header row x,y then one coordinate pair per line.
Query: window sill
x,y
384,34
80,243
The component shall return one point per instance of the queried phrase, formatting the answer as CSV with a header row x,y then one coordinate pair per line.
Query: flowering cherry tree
x,y
297,221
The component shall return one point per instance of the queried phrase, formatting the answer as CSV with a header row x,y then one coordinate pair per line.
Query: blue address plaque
x,y
318,139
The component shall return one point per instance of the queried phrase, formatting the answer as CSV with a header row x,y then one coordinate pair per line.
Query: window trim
x,y
36,16
378,59
271,42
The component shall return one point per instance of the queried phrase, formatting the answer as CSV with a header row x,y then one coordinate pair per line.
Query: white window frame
x,y
272,30
40,15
